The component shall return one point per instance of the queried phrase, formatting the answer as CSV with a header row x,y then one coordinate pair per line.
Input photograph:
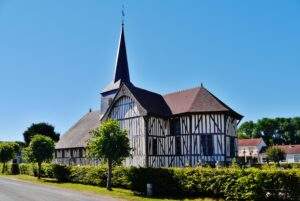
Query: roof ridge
x,y
146,90
183,90
194,98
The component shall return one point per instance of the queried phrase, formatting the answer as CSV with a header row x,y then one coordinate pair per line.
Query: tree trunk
x,y
3,168
109,171
39,170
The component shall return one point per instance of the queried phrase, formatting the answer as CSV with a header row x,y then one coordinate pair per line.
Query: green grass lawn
x,y
122,194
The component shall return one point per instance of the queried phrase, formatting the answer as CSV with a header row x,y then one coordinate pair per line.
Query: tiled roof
x,y
152,102
79,134
290,149
249,142
196,99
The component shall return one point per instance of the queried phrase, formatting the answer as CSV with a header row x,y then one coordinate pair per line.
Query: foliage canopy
x,y
7,152
42,129
273,131
40,149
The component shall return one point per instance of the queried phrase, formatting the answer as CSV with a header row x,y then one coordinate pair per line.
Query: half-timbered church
x,y
184,128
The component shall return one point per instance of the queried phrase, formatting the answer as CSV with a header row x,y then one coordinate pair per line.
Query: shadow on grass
x,y
135,194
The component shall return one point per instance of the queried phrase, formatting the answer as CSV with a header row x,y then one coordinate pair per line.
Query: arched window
x,y
124,108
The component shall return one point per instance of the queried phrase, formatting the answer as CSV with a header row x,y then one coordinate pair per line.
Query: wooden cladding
x,y
126,112
191,140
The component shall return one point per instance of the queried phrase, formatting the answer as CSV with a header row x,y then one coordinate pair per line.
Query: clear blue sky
x,y
57,55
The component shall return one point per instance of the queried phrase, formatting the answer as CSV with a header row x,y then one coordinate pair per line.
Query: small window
x,y
207,145
63,153
71,153
210,145
178,145
80,153
175,126
232,147
154,147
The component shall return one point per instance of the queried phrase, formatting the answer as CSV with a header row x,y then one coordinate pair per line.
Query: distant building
x,y
292,153
183,128
251,149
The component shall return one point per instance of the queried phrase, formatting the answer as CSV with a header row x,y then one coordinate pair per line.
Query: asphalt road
x,y
12,190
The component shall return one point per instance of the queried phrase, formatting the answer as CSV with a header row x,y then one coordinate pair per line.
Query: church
x,y
184,128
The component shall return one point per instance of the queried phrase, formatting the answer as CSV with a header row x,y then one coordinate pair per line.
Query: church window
x,y
154,147
175,126
232,147
207,145
80,153
178,145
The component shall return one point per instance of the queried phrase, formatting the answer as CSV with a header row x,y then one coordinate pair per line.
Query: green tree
x,y
246,130
40,149
7,153
275,154
41,129
273,131
109,143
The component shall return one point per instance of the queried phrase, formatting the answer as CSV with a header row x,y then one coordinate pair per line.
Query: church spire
x,y
122,71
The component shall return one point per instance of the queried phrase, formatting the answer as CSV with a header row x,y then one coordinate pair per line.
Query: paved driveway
x,y
12,190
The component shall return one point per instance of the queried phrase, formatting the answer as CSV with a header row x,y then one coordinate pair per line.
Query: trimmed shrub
x,y
15,169
235,184
164,181
61,172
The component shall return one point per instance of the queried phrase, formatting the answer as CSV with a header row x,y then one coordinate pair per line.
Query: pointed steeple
x,y
122,71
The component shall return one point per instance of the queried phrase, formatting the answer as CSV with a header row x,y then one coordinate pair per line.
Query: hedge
x,y
251,184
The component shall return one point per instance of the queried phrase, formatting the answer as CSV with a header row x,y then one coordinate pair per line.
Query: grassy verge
x,y
122,194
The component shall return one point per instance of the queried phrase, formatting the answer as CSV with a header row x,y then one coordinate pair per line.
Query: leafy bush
x,y
15,169
97,175
61,172
163,180
235,184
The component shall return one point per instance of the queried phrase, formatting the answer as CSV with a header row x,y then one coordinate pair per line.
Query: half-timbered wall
x,y
157,130
125,110
231,138
199,139
73,156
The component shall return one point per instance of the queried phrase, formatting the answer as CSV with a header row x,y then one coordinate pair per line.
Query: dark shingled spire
x,y
121,71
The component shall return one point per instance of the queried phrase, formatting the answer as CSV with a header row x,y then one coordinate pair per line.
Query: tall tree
x,y
273,131
7,153
109,143
246,130
40,149
41,129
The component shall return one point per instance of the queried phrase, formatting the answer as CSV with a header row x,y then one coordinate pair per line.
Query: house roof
x,y
153,103
197,99
79,134
290,149
250,142
150,102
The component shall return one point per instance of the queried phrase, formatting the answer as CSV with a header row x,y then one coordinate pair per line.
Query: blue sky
x,y
57,55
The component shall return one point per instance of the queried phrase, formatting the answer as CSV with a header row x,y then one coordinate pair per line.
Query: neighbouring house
x,y
183,128
292,153
250,150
